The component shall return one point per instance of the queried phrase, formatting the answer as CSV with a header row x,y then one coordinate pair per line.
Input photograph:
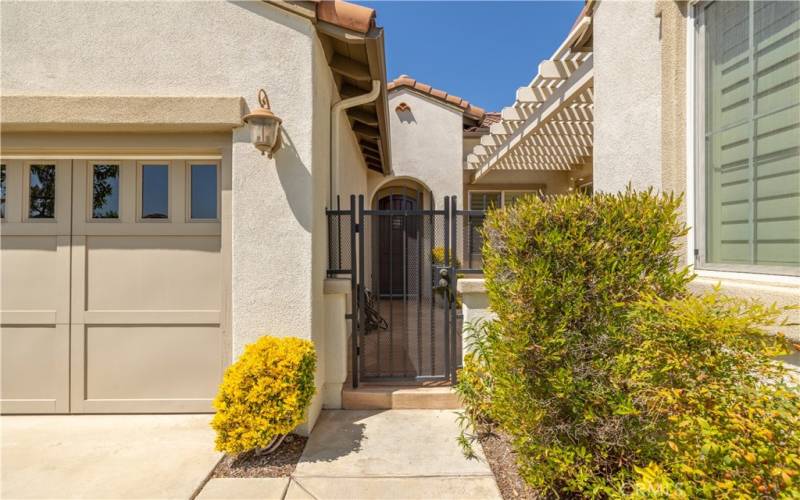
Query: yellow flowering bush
x,y
265,393
437,256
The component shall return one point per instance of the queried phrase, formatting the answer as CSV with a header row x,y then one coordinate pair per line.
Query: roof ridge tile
x,y
467,108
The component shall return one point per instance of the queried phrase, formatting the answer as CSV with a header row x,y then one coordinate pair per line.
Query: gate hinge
x,y
358,351
357,228
696,252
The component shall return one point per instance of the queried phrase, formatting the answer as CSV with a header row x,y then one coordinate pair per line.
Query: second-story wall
x,y
427,144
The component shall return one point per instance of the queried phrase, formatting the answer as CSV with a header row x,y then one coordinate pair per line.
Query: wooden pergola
x,y
549,126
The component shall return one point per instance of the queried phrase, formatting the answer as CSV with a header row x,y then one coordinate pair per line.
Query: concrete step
x,y
387,397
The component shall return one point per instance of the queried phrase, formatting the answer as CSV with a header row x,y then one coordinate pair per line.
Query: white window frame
x,y
695,171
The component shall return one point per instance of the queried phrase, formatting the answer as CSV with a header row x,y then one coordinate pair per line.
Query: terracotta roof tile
x,y
488,119
441,94
453,99
424,87
346,15
466,107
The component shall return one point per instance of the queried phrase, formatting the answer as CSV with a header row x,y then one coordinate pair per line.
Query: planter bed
x,y
280,463
503,461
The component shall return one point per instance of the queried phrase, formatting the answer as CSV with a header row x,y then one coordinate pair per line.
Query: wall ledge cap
x,y
471,285
784,284
26,112
333,286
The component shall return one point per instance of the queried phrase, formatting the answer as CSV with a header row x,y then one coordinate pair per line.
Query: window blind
x,y
751,85
484,200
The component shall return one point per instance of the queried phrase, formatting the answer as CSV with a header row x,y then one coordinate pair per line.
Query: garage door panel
x,y
35,274
35,372
153,273
34,297
181,362
146,301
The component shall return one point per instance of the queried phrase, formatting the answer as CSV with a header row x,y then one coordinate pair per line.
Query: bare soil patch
x,y
503,461
280,463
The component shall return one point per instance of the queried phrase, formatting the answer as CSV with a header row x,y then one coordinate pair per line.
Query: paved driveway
x,y
105,456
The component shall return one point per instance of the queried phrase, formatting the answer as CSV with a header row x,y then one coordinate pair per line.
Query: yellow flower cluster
x,y
265,393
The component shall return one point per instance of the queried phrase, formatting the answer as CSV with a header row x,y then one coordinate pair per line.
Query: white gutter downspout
x,y
335,110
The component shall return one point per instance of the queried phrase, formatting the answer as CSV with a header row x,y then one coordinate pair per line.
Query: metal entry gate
x,y
403,266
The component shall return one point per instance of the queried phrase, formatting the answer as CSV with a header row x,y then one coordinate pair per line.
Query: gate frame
x,y
357,271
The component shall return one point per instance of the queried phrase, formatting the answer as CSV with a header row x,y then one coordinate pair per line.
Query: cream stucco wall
x,y
427,145
331,296
627,95
226,49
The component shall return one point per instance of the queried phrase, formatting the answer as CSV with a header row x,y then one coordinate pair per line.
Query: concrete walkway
x,y
105,456
393,454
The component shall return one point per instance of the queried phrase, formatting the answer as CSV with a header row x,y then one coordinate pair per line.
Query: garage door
x,y
111,286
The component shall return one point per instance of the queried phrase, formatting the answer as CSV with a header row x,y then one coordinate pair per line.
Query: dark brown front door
x,y
397,236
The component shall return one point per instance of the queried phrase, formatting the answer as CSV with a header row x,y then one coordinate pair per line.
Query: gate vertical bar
x,y
446,290
420,285
432,294
354,318
339,234
362,298
391,218
453,290
405,288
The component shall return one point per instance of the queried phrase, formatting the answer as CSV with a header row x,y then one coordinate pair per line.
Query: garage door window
x,y
42,194
105,191
2,191
204,192
155,192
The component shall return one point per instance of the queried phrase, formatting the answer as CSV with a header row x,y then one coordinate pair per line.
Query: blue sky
x,y
481,51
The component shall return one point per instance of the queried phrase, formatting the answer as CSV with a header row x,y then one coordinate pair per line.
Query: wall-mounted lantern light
x,y
265,126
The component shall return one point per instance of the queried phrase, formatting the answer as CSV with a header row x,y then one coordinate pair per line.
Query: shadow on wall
x,y
406,116
295,180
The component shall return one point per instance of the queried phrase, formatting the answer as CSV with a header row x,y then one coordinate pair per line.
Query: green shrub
x,y
701,374
575,364
474,386
265,393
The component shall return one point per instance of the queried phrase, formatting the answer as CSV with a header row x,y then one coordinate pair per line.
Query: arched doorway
x,y
397,240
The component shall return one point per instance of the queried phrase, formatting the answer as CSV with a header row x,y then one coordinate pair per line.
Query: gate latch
x,y
444,279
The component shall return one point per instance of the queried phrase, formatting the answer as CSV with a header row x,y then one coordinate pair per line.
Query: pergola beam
x,y
579,80
556,70
580,110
